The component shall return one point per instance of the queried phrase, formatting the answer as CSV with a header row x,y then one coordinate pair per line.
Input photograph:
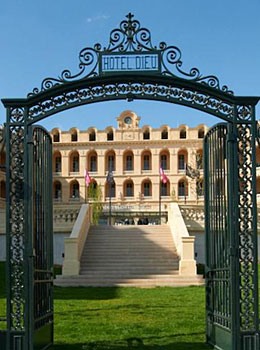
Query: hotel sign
x,y
143,62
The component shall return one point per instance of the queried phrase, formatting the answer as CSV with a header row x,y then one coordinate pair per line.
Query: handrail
x,y
75,243
183,241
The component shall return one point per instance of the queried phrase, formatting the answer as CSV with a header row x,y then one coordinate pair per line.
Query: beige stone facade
x,y
134,154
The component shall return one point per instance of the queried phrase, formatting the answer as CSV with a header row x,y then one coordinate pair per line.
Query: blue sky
x,y
41,38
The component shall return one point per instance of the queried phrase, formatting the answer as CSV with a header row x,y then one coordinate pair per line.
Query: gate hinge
x,y
231,137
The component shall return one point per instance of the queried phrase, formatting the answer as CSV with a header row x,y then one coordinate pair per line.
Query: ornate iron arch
x,y
166,81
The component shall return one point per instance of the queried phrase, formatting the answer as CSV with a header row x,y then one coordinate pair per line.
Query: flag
x,y
110,177
164,177
87,177
193,173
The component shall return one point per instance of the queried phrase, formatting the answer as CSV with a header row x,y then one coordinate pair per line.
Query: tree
x,y
95,197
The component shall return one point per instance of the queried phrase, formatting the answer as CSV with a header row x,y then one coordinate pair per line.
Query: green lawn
x,y
126,318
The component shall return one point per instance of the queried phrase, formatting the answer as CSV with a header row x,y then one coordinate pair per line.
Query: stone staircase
x,y
138,256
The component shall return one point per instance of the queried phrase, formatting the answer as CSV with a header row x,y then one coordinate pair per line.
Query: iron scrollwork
x,y
247,249
130,37
16,219
129,91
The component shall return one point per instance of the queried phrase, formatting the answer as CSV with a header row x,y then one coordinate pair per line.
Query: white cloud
x,y
97,18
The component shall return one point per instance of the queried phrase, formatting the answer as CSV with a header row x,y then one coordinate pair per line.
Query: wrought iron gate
x,y
114,72
41,263
231,239
30,270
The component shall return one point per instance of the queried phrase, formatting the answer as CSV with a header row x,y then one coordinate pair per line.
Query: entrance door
x,y
40,289
221,273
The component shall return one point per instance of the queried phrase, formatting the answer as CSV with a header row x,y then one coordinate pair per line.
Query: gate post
x,y
16,276
246,234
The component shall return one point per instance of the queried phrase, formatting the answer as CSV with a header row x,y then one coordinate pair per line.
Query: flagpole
x,y
110,204
85,192
160,217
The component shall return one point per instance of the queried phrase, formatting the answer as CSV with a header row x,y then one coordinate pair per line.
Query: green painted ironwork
x,y
231,234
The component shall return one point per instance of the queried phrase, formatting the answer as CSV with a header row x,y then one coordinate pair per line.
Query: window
x,y
92,189
165,134
146,135
164,189
75,164
129,190
92,136
110,191
164,161
75,190
93,163
57,191
74,136
129,163
111,163
181,189
2,162
110,135
181,162
146,162
201,134
147,189
183,134
57,164
56,137
2,190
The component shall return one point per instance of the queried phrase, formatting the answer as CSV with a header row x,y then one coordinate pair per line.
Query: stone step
x,y
131,260
129,256
176,281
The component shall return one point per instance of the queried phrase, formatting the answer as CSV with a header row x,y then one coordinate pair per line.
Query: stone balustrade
x,y
75,243
183,241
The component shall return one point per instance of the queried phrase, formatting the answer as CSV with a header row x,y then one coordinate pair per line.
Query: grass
x,y
126,318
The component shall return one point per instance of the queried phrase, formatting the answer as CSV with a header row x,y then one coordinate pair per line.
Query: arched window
x,y
164,135
110,135
2,189
74,136
146,160
74,190
147,188
165,188
146,134
57,162
182,160
2,162
92,162
57,190
92,189
183,134
74,162
92,135
165,160
112,189
128,161
201,134
56,136
182,188
129,188
257,157
258,185
110,161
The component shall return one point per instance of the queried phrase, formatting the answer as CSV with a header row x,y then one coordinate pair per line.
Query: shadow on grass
x,y
90,293
135,344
